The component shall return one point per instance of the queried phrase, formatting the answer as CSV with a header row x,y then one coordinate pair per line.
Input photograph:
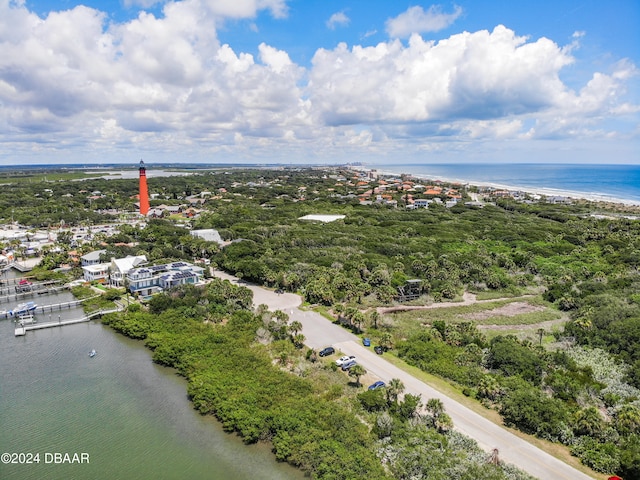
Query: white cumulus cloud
x,y
416,20
337,19
164,82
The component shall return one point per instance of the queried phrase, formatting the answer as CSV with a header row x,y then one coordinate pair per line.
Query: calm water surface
x,y
129,415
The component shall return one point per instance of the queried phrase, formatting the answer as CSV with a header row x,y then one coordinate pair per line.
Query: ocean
x,y
616,183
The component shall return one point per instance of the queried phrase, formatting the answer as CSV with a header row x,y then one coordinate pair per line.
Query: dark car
x,y
378,384
366,342
378,349
347,365
327,351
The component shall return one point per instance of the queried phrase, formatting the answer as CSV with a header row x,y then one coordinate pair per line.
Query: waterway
x,y
130,417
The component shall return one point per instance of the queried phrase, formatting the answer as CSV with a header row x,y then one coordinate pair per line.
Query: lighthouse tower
x,y
144,191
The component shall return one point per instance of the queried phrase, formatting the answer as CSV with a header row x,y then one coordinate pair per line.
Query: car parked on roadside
x,y
378,349
347,365
366,342
345,359
378,384
327,351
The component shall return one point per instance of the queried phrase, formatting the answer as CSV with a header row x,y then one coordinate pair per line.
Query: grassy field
x,y
521,313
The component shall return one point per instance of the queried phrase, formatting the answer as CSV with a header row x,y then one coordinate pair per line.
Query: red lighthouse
x,y
144,191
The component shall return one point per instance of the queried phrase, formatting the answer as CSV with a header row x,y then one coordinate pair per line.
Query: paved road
x,y
320,332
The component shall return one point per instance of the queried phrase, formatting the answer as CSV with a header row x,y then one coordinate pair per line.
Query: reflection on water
x,y
130,416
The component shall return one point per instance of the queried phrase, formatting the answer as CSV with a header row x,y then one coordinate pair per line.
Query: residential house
x,y
421,203
120,267
209,235
96,272
147,281
92,258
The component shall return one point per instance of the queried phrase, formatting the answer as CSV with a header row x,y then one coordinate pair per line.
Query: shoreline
x,y
543,191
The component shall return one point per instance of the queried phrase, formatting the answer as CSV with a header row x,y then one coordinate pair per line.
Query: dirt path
x,y
467,299
510,310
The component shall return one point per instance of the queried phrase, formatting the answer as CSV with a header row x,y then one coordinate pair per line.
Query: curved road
x,y
320,332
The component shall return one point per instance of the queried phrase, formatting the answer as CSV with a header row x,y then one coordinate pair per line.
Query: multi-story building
x,y
146,281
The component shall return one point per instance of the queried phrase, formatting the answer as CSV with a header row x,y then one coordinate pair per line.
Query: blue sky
x,y
305,81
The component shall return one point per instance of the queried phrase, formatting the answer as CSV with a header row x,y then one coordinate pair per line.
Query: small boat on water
x,y
92,353
23,308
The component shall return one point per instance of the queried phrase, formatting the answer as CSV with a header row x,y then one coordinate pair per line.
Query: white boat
x,y
92,353
23,308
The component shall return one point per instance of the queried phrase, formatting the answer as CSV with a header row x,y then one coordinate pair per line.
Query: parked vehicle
x,y
345,359
366,342
347,365
327,351
378,349
378,384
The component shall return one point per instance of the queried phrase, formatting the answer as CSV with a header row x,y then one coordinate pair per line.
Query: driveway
x,y
320,332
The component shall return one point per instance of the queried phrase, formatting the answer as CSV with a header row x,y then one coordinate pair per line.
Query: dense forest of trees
x,y
585,396
209,335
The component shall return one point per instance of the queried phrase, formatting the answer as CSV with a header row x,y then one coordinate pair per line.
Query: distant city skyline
x,y
298,82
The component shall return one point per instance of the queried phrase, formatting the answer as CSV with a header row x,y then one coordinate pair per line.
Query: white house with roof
x,y
95,272
422,203
209,235
147,281
92,258
119,268
113,271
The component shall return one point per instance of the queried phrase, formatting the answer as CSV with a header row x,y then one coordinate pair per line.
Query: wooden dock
x,y
43,288
52,307
22,328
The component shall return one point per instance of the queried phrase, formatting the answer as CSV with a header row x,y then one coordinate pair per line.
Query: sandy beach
x,y
542,191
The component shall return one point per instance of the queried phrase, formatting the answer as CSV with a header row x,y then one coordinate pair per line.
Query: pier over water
x,y
23,326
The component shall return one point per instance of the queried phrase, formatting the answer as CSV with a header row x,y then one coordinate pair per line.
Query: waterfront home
x,y
97,272
120,267
147,281
92,258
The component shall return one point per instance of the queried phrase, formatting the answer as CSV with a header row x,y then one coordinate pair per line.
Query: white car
x,y
344,359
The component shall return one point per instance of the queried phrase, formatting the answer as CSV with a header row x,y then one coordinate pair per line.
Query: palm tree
x,y
435,407
386,341
395,389
295,327
338,310
589,422
358,320
357,371
628,419
443,423
374,316
489,387
350,313
298,340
